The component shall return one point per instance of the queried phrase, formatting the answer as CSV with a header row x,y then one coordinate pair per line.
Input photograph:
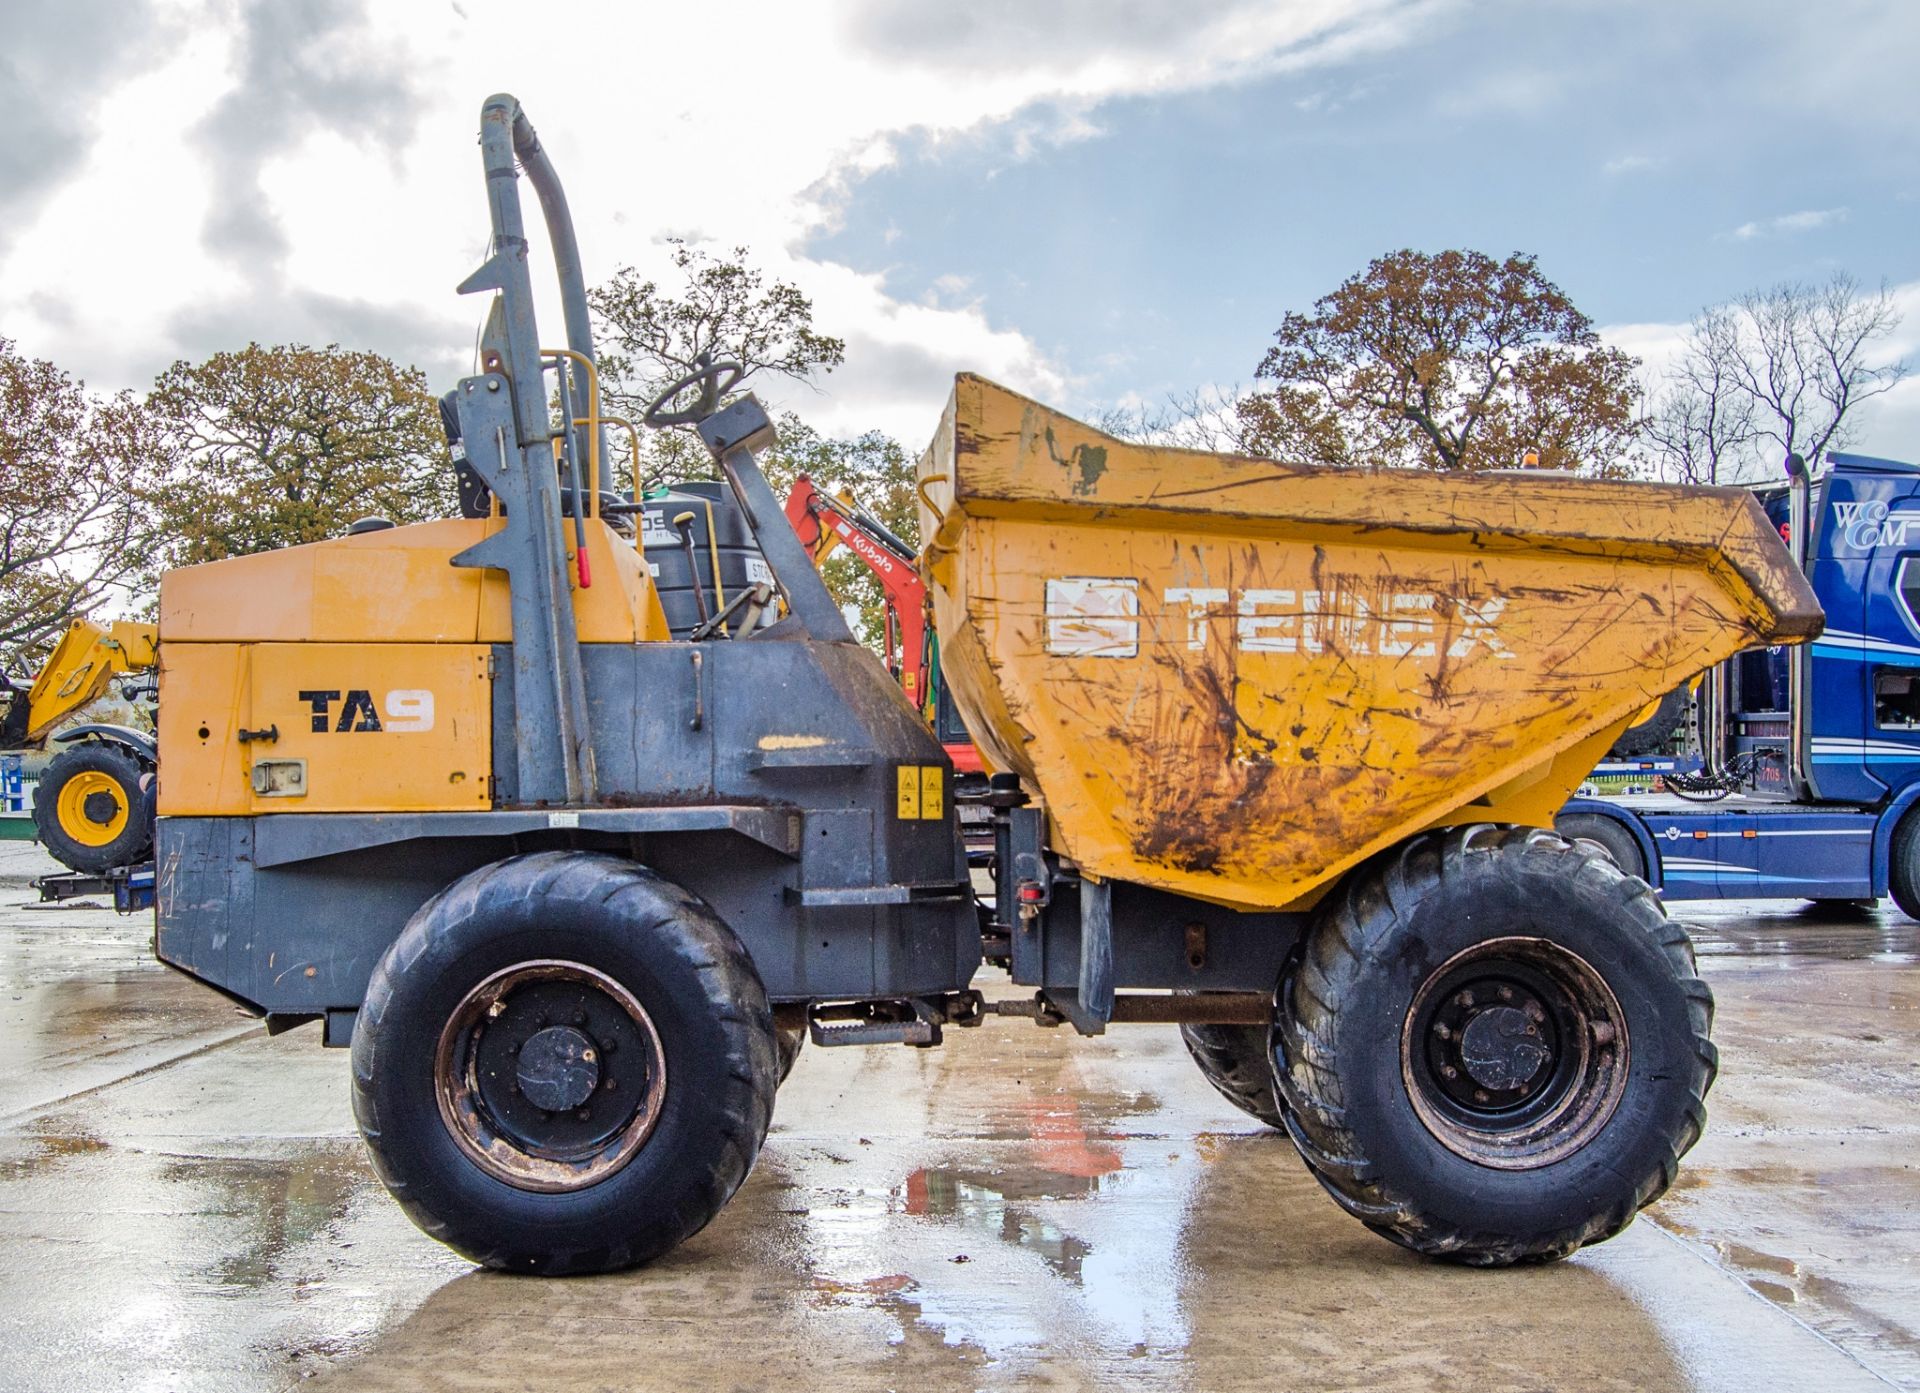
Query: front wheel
x,y
1493,1047
565,1063
93,807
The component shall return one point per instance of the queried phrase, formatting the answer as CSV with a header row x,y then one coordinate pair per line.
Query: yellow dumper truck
x,y
1274,753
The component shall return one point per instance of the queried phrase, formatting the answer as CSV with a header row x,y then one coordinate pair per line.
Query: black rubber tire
x,y
1655,734
788,1041
1903,864
135,840
1345,1001
1617,841
684,966
1237,1061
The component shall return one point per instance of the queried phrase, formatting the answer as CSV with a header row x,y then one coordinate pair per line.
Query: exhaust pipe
x,y
1799,673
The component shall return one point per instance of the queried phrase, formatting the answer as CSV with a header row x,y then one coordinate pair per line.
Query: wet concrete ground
x,y
184,1205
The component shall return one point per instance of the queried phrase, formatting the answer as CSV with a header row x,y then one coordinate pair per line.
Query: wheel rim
x,y
92,808
550,1076
1514,1053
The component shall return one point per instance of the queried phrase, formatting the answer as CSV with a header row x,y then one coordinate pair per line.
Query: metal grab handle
x,y
683,524
720,378
933,546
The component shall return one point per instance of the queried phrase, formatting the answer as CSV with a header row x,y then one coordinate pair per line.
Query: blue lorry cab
x,y
1813,789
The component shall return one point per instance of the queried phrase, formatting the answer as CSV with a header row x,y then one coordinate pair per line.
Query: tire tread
x,y
685,927
1357,919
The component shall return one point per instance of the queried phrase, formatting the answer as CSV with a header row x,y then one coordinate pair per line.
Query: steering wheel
x,y
715,381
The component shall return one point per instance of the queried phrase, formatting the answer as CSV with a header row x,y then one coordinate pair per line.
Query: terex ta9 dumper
x,y
1275,749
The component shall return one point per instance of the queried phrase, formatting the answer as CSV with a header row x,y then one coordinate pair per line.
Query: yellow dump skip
x,y
1235,679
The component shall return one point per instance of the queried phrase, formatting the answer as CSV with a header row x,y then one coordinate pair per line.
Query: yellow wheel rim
x,y
75,818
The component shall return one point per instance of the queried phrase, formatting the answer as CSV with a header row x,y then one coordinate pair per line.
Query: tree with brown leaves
x,y
70,465
1445,361
279,446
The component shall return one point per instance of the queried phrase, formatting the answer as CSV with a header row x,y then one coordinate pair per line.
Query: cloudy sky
x,y
1096,201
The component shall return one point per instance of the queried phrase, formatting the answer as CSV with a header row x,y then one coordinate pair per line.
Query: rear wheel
x,y
1615,839
565,1063
1238,1061
1493,1047
91,809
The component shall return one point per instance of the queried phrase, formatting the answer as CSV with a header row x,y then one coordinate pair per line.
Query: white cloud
x,y
1633,164
1657,346
665,124
1805,220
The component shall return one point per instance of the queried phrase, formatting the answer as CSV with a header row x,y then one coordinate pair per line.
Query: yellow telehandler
x,y
94,804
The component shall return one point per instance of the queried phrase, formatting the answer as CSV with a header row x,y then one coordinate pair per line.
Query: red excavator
x,y
825,521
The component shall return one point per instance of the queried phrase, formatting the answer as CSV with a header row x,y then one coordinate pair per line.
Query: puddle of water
x,y
273,1207
1059,1240
136,1266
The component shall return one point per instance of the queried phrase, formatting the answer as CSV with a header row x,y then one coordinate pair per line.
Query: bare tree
x,y
1777,371
1811,368
1198,418
723,306
1700,423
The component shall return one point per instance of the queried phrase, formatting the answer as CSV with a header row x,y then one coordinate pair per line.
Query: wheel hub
x,y
91,808
550,1075
1501,1049
1514,1053
558,1068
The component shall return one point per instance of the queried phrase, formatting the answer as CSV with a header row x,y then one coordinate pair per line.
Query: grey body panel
x,y
775,808
1147,936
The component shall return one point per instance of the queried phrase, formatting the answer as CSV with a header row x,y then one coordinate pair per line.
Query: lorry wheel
x,y
1492,1046
1238,1061
91,810
565,1063
1903,865
1654,732
1617,841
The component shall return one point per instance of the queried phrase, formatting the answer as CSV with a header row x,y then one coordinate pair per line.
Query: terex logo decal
x,y
408,711
1100,617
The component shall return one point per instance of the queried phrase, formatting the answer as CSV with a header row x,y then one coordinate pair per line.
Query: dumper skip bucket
x,y
1235,679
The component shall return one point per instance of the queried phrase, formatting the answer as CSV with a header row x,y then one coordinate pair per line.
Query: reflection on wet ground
x,y
1767,932
183,1205
1807,1186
